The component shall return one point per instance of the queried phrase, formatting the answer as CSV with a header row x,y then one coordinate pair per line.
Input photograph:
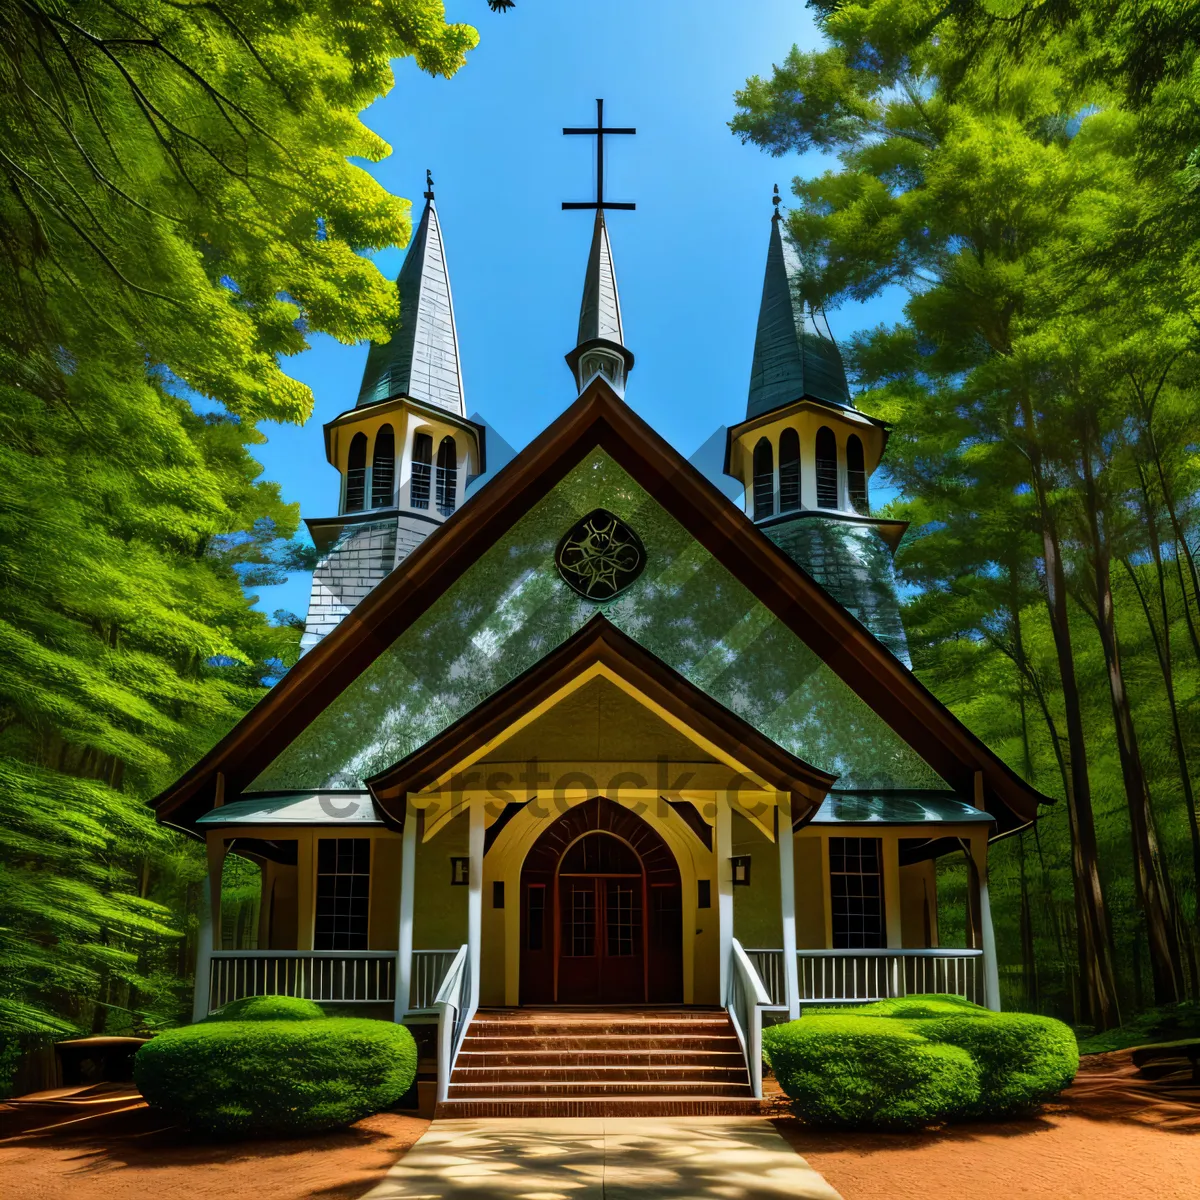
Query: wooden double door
x,y
600,912
602,943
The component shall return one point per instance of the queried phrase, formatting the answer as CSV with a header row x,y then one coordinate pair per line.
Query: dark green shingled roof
x,y
792,356
421,359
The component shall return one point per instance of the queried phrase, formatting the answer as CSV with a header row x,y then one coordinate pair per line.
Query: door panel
x,y
578,948
601,949
623,979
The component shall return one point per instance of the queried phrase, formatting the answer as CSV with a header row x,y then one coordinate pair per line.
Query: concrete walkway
x,y
620,1158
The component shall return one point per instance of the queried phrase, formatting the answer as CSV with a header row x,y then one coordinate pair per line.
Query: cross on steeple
x,y
599,203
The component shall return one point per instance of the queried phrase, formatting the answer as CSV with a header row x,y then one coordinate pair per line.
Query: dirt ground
x,y
1111,1135
126,1157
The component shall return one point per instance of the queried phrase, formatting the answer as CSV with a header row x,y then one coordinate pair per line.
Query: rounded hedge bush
x,y
231,1078
270,1008
1023,1059
827,1063
847,1071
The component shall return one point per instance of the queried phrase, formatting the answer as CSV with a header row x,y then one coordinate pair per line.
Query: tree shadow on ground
x,y
121,1153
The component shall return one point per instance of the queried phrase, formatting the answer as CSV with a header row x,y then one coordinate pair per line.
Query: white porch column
x,y
208,935
787,902
724,892
475,895
991,969
404,946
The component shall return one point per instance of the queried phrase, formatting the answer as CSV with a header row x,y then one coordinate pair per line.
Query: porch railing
x,y
455,1011
429,969
341,976
861,976
769,966
746,999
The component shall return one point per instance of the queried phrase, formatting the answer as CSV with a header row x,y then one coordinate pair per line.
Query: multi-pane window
x,y
623,919
356,473
789,471
383,468
447,476
827,468
856,893
764,480
343,893
422,471
579,920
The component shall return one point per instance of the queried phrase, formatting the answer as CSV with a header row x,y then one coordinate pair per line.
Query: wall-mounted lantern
x,y
460,872
740,865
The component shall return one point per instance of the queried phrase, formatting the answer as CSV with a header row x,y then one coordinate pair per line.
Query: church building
x,y
588,769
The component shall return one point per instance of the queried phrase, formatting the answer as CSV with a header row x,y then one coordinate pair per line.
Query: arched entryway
x,y
601,912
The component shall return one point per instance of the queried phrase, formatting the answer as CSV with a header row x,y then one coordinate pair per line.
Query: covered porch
x,y
336,923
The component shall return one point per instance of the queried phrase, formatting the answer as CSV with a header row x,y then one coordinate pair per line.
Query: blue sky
x,y
689,261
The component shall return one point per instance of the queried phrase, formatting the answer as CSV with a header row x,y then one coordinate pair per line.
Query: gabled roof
x,y
421,359
600,419
600,643
793,356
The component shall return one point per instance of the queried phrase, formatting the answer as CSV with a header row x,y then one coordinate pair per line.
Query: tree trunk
x,y
1162,649
1150,869
1097,975
1028,955
1183,551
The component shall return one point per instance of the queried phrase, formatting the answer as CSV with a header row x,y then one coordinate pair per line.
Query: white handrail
x,y
453,1003
745,1003
941,952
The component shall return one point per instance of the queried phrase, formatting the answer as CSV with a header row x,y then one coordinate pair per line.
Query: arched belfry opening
x,y
601,911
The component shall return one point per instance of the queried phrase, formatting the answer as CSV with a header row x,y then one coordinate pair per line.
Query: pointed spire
x,y
793,357
600,346
421,359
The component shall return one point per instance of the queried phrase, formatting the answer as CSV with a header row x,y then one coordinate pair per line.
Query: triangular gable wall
x,y
511,609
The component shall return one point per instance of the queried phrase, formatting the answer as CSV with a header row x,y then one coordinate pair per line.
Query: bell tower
x,y
406,451
805,454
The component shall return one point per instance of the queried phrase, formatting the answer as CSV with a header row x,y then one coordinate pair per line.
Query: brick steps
x,y
557,1062
590,1090
602,1043
541,1074
607,1106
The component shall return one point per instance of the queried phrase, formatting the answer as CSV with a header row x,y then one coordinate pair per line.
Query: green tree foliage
x,y
177,212
1014,168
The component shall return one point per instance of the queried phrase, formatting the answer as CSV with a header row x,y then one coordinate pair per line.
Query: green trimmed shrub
x,y
254,1078
270,1008
1018,1061
1023,1059
849,1071
923,1007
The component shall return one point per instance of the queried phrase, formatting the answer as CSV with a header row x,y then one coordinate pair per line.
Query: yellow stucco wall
x,y
757,921
918,905
440,907
811,892
383,926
